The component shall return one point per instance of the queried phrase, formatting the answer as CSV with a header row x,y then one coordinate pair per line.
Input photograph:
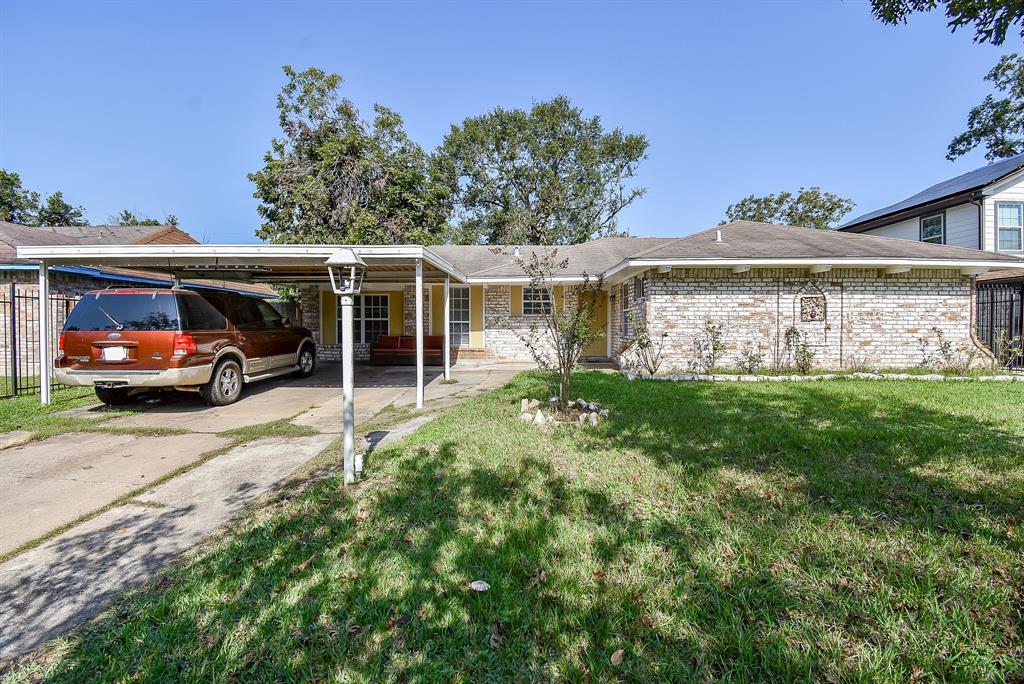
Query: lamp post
x,y
346,271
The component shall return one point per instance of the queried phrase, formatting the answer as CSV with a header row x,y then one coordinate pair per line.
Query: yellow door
x,y
598,323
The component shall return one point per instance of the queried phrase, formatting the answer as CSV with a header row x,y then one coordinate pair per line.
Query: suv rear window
x,y
133,312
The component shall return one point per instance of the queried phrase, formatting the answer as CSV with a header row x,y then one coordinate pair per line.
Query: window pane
x,y
1010,215
1010,239
458,316
931,229
536,301
374,328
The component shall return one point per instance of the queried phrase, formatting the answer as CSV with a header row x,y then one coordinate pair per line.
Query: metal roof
x,y
972,180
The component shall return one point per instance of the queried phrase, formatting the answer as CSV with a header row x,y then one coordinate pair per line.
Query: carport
x,y
271,265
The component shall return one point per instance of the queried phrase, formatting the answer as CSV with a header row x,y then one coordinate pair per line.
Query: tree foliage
x,y
17,204
990,19
996,124
809,207
335,178
546,176
54,211
128,218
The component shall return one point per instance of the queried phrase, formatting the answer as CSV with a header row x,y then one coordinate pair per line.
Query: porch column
x,y
45,360
419,333
447,332
347,391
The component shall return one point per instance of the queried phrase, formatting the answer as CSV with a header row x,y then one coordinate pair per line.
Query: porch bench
x,y
400,350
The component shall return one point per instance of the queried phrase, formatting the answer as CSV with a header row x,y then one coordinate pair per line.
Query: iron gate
x,y
19,336
1001,310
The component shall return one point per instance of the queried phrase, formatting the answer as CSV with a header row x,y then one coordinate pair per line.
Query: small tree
x,y
648,349
1006,350
557,337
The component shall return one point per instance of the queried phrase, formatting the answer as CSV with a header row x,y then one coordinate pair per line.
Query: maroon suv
x,y
124,339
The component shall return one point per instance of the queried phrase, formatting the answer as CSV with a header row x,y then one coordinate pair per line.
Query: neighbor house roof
x,y
13,235
949,192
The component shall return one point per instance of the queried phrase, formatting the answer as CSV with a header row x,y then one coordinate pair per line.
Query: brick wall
x,y
865,319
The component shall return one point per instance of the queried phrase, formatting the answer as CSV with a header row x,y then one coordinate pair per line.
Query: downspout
x,y
985,351
979,201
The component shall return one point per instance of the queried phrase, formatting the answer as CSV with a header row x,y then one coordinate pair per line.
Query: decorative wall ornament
x,y
812,309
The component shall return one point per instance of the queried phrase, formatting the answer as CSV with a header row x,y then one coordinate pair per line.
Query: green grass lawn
x,y
835,531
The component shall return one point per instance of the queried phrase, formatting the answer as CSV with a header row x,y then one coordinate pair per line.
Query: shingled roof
x,y
739,240
13,235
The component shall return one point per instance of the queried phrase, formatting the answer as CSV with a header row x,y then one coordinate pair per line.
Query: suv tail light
x,y
60,343
184,345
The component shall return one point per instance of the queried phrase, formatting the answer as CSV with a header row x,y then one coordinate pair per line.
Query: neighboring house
x,y
982,209
73,281
19,278
857,300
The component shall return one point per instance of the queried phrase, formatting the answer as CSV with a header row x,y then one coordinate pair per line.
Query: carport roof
x,y
258,263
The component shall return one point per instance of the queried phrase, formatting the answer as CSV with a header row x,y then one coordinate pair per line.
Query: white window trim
x,y
469,315
546,298
357,315
920,230
1019,229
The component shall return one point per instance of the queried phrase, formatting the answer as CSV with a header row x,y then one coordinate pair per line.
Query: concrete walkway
x,y
55,586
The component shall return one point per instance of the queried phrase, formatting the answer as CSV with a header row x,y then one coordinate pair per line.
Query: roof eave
x,y
910,212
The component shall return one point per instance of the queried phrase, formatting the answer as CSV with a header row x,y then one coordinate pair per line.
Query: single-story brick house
x,y
858,300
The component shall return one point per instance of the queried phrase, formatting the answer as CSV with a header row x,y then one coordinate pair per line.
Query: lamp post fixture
x,y
347,271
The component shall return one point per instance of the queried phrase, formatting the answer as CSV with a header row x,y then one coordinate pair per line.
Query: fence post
x,y
13,323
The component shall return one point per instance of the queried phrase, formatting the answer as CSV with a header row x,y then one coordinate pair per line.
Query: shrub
x,y
708,347
947,357
750,360
648,350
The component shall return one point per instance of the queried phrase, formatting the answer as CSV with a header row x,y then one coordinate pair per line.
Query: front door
x,y
598,323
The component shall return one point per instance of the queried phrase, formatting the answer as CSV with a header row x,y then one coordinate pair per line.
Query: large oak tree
x,y
545,176
808,207
334,178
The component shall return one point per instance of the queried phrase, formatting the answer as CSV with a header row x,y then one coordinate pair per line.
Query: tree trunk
x,y
563,392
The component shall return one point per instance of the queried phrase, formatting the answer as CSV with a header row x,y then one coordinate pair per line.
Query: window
x,y
638,288
624,316
536,301
369,318
198,314
458,316
933,229
1010,227
112,311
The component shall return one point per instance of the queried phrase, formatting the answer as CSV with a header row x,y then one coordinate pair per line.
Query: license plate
x,y
115,353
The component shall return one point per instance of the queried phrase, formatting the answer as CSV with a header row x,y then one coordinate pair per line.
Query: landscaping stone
x,y
592,417
538,419
526,417
604,413
582,418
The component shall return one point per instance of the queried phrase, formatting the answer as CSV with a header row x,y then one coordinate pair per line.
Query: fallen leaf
x,y
304,565
539,577
598,575
479,585
617,657
401,621
361,515
496,635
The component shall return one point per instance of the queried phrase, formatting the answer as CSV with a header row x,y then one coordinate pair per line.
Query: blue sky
x,y
165,107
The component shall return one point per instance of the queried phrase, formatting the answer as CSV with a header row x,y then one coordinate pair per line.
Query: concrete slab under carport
x,y
46,484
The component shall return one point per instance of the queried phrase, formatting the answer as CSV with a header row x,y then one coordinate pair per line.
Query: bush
x,y
708,348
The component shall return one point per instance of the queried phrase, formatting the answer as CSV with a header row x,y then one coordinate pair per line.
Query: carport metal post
x,y
419,333
447,333
45,362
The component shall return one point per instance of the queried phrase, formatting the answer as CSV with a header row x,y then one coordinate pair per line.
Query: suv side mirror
x,y
286,322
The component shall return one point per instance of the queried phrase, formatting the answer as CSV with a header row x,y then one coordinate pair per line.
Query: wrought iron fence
x,y
19,336
1001,316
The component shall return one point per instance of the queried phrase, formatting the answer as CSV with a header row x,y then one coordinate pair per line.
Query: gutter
x,y
978,200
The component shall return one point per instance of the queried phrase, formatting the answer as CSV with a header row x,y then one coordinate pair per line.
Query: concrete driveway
x,y
49,589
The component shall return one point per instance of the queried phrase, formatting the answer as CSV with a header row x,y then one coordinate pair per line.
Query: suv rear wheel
x,y
307,361
225,386
114,396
